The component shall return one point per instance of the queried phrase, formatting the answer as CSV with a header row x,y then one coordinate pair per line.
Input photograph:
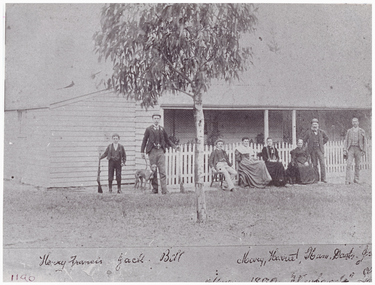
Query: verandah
x,y
180,165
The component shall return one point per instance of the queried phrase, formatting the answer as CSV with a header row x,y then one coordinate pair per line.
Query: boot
x,y
110,186
119,187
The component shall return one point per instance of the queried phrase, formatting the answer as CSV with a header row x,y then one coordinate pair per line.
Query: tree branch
x,y
187,93
171,65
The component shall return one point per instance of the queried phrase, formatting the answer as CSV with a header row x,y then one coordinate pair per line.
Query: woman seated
x,y
299,170
252,173
274,166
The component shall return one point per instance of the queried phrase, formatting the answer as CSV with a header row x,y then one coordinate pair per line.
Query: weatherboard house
x,y
59,116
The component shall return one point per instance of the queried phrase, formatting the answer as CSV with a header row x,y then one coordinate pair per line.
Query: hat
x,y
156,115
314,121
218,140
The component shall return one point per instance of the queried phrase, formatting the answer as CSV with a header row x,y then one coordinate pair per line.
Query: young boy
x,y
116,156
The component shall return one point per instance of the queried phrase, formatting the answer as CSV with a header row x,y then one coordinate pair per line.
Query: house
x,y
59,115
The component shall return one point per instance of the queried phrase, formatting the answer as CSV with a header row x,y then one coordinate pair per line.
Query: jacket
x,y
322,138
215,158
349,139
149,139
109,152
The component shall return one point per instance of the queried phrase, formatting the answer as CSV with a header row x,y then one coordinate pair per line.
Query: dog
x,y
144,176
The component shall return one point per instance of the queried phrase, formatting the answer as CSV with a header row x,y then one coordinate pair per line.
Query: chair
x,y
216,177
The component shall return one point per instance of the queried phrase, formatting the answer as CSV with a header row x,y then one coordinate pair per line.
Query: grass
x,y
320,213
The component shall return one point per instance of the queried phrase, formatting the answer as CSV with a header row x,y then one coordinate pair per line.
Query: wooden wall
x,y
81,130
26,146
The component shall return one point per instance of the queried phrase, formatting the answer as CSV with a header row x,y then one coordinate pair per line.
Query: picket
x,y
180,164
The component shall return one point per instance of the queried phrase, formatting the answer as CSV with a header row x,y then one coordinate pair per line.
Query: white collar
x,y
244,150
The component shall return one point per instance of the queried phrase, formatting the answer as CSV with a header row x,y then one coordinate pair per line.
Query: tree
x,y
158,48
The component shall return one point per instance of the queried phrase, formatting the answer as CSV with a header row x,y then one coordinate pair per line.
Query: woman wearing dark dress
x,y
252,173
274,166
299,170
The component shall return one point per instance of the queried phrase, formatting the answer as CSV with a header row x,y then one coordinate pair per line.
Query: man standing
x,y
155,141
219,161
354,147
116,156
315,139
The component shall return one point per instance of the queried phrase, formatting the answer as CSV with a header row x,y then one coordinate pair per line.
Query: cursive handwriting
x,y
48,262
248,260
275,256
73,260
365,253
129,260
168,257
311,255
338,254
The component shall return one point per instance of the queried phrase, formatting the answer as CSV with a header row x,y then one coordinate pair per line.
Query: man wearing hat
x,y
155,142
219,161
116,156
354,148
315,139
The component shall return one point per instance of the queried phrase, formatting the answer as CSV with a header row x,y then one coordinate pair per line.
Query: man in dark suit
x,y
315,139
116,156
155,142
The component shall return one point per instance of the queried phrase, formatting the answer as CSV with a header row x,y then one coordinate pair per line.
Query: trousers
x,y
353,153
112,166
157,157
318,156
229,173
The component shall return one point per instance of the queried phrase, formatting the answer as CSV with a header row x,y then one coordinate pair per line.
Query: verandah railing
x,y
180,165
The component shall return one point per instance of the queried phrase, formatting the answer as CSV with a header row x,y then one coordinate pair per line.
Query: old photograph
x,y
187,142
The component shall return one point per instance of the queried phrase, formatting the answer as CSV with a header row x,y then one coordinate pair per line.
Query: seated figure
x,y
251,172
219,161
274,166
299,169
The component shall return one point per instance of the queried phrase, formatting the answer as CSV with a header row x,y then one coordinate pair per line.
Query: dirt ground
x,y
315,214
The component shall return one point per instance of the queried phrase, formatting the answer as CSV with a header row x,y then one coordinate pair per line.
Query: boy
x,y
116,156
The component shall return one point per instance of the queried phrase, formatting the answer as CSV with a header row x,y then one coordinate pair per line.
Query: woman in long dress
x,y
252,173
274,166
299,169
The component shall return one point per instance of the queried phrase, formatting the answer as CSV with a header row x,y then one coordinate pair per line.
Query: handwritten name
x,y
249,260
167,256
311,255
46,261
129,260
276,256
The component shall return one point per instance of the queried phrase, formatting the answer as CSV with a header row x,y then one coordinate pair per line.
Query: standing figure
x,y
219,161
315,139
354,147
155,142
251,172
116,156
274,166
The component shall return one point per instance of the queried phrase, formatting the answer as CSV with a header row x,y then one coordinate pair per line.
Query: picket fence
x,y
180,164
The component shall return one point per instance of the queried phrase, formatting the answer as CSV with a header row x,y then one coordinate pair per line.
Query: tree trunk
x,y
198,167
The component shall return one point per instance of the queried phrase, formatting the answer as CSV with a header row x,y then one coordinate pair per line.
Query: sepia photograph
x,y
187,142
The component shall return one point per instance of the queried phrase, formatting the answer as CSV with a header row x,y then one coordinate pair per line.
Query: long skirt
x,y
277,172
253,173
301,173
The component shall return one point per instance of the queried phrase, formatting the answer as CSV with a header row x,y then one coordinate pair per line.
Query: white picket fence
x,y
180,164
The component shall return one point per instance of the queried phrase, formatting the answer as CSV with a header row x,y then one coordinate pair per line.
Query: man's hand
x,y
178,148
143,155
306,163
363,152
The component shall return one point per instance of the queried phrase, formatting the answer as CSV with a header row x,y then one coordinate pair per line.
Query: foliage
x,y
181,47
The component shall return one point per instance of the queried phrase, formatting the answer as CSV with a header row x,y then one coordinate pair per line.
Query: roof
x,y
305,56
